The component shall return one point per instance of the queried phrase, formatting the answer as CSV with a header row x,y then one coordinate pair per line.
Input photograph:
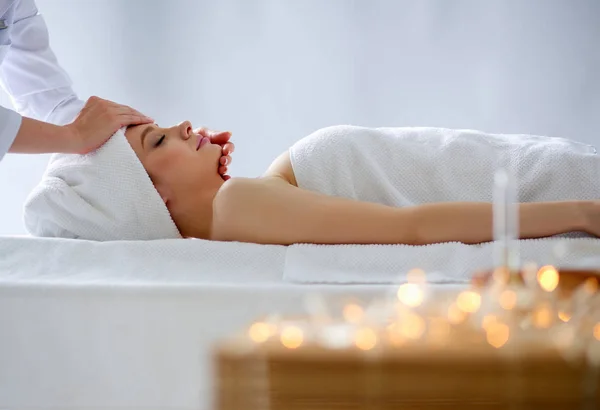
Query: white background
x,y
272,71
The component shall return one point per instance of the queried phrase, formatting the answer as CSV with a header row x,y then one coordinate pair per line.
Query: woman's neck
x,y
196,221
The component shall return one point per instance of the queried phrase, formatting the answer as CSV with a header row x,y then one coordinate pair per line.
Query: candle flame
x,y
292,337
468,301
497,334
548,278
412,326
410,294
259,332
365,339
353,313
542,317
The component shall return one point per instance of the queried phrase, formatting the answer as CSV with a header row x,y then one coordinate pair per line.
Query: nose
x,y
185,130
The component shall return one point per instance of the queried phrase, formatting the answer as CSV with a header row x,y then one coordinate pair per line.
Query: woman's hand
x,y
97,122
220,138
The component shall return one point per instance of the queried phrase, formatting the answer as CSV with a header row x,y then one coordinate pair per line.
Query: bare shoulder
x,y
282,168
240,202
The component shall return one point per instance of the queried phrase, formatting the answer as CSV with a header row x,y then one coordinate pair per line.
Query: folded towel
x,y
443,263
411,166
104,195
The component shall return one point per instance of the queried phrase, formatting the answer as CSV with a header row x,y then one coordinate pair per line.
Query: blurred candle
x,y
506,221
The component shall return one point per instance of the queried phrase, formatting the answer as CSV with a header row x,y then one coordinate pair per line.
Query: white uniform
x,y
29,72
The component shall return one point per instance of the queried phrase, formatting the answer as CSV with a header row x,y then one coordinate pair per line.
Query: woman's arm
x,y
270,211
31,74
97,121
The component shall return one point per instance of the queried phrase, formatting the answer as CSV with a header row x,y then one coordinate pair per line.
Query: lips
x,y
202,141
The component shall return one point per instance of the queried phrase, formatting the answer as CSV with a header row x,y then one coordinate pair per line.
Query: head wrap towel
x,y
105,195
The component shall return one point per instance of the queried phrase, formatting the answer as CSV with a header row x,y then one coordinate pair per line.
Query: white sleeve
x,y
10,122
39,88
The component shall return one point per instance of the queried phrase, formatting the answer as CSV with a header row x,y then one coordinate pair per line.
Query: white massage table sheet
x,y
26,260
129,324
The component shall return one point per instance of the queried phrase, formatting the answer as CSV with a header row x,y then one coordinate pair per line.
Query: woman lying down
x,y
339,185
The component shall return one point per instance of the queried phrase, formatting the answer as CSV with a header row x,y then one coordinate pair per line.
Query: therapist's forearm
x,y
473,222
37,137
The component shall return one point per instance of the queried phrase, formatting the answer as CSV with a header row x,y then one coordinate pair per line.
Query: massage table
x,y
132,325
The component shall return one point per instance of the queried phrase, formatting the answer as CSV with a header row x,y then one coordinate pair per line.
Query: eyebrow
x,y
145,132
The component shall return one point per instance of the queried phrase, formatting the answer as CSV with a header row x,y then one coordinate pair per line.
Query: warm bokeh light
x,y
259,332
508,299
416,276
497,334
365,338
394,335
532,312
292,337
488,320
353,313
548,278
412,326
500,275
590,285
410,294
468,301
542,317
564,316
597,331
438,331
455,315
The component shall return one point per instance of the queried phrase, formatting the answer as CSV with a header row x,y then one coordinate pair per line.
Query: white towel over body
x,y
412,166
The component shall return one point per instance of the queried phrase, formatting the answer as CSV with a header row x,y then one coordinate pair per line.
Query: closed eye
x,y
159,141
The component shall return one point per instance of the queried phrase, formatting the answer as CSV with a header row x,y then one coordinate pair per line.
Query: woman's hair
x,y
104,195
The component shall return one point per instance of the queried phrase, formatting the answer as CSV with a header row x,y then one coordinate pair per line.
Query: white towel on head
x,y
104,195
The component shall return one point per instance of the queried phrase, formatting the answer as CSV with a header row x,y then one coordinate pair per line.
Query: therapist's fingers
x,y
125,120
98,121
115,115
128,116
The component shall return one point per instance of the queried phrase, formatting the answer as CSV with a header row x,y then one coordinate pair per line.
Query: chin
x,y
214,150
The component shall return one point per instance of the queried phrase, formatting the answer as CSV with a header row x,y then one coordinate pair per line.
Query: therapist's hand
x,y
97,122
220,138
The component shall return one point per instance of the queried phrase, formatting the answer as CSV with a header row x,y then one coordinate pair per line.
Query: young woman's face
x,y
181,164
